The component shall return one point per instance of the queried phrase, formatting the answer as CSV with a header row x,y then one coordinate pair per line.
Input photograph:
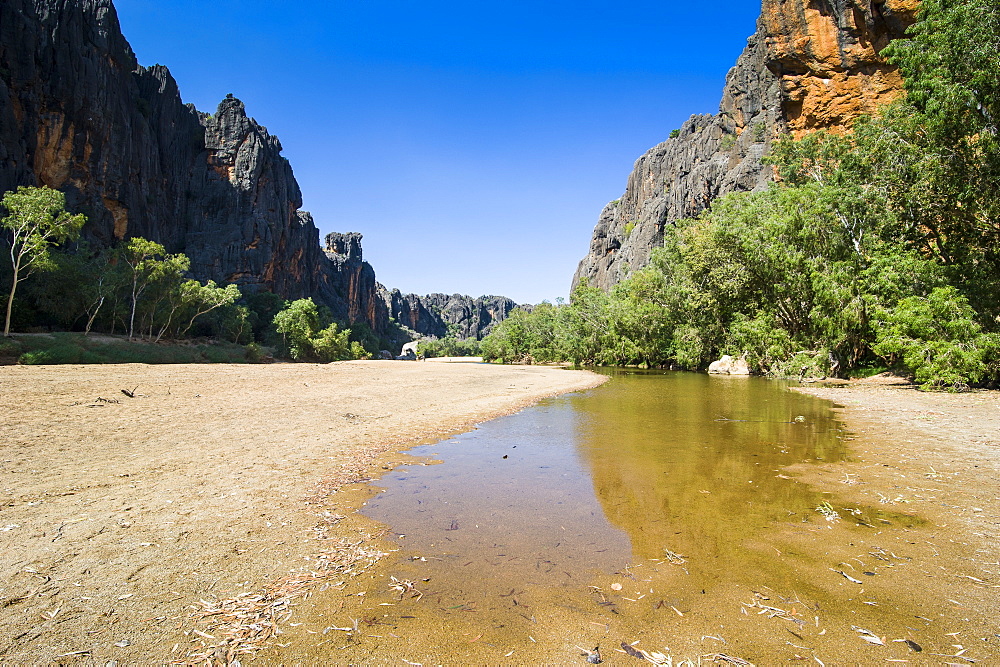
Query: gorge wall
x,y
811,64
441,315
79,114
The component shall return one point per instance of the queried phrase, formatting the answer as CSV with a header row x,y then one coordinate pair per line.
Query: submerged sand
x,y
124,520
907,573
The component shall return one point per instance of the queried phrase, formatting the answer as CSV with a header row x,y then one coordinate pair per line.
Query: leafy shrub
x,y
36,358
254,353
937,339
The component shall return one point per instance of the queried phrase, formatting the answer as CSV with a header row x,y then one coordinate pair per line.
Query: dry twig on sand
x,y
245,623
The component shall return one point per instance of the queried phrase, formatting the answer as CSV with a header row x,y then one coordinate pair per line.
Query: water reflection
x,y
694,463
650,461
535,531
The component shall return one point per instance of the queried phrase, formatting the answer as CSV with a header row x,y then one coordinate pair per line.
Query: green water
x,y
693,463
660,508
650,461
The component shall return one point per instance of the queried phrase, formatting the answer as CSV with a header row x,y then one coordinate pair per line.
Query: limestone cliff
x,y
79,114
441,315
811,64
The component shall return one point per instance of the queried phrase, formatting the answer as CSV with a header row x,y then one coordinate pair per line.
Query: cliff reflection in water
x,y
692,463
661,460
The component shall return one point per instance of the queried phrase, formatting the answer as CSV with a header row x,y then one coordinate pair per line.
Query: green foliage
x,y
36,219
675,133
629,226
311,337
937,338
450,347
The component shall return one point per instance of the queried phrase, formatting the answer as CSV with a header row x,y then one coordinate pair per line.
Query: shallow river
x,y
659,509
592,481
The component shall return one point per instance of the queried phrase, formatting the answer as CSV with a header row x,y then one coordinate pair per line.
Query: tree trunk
x,y
90,320
10,305
16,267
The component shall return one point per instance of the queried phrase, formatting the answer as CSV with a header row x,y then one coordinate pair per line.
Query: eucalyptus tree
x,y
36,220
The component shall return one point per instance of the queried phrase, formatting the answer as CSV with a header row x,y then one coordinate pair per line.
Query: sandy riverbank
x,y
933,452
119,515
210,507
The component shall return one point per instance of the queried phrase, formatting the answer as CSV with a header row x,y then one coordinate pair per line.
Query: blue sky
x,y
473,144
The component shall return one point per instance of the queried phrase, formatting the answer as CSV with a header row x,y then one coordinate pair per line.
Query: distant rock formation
x,y
811,64
79,114
441,315
353,282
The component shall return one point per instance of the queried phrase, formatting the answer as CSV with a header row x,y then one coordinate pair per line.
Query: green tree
x,y
511,340
75,285
147,263
332,344
165,296
641,321
302,324
584,325
36,219
937,338
298,323
201,299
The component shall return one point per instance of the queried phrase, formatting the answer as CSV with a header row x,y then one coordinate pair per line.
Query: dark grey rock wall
x,y
441,315
679,178
79,114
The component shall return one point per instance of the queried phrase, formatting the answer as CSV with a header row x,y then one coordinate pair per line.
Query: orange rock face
x,y
811,65
827,58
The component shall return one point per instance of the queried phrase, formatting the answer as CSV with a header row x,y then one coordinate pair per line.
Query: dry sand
x,y
122,520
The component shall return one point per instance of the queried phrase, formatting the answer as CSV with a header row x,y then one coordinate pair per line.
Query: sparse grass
x,y
75,348
866,372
